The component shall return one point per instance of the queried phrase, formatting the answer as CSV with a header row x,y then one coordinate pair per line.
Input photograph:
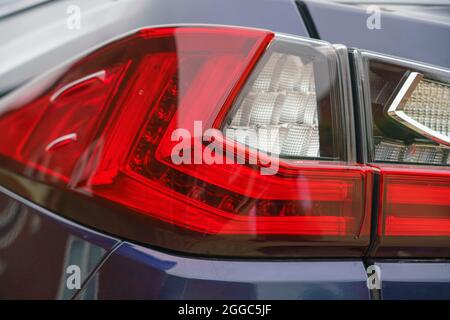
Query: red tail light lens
x,y
411,209
104,126
414,212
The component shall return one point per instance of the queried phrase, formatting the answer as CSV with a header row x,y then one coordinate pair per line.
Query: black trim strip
x,y
307,20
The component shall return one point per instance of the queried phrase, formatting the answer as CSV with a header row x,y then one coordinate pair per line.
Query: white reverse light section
x,y
424,106
415,153
281,109
429,105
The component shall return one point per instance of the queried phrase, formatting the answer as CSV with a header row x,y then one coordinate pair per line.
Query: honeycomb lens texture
x,y
388,151
429,105
279,113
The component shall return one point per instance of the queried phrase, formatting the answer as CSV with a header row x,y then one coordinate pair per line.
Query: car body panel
x,y
415,280
405,36
32,45
37,246
151,274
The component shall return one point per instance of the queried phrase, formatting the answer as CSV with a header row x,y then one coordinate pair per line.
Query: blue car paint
x,y
37,246
415,280
148,274
403,36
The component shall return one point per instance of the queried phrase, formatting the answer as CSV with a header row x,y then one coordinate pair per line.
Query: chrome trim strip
x,y
395,110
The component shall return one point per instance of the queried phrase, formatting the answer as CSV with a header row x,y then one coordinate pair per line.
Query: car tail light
x,y
410,111
408,133
271,108
414,212
425,108
134,127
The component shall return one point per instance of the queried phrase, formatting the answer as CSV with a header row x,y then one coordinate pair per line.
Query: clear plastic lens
x,y
424,153
281,109
285,72
429,105
389,151
410,113
415,153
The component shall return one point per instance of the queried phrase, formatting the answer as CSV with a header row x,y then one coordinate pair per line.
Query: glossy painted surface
x,y
36,247
415,280
402,35
134,272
